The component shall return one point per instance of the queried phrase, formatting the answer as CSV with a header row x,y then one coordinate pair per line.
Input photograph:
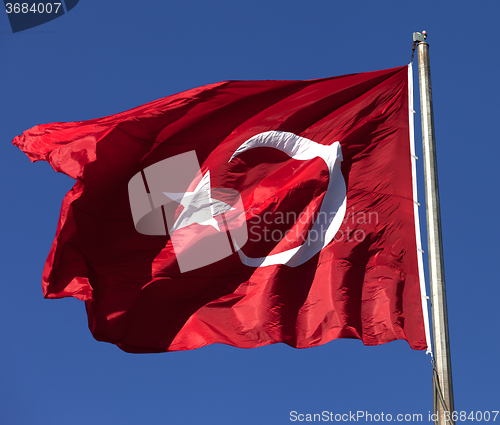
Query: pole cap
x,y
417,36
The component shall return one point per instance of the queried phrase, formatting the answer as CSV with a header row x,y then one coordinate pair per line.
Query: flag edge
x,y
418,237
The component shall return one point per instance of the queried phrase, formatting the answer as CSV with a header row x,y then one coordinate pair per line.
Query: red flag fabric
x,y
244,213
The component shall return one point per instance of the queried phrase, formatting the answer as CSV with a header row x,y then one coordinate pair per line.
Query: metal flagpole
x,y
443,388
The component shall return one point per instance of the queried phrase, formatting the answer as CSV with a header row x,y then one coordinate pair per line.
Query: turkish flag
x,y
244,213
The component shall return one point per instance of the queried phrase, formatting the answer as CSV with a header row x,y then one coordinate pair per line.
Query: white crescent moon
x,y
334,202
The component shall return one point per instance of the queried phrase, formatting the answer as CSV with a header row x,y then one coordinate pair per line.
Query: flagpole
x,y
442,382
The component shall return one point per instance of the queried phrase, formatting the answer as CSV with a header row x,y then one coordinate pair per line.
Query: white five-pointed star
x,y
199,206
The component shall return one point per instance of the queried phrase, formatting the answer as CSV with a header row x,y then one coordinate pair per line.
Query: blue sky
x,y
106,57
